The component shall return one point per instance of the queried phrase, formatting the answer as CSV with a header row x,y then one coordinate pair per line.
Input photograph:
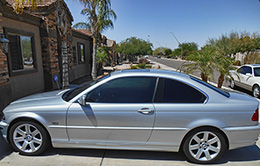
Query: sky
x,y
189,20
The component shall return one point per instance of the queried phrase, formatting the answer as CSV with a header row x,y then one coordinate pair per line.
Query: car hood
x,y
41,99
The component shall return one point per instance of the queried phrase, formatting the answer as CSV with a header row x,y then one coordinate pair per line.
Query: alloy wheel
x,y
27,138
204,146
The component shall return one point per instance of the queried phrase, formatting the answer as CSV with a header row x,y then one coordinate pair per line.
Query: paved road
x,y
174,63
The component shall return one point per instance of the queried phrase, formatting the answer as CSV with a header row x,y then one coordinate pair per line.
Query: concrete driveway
x,y
249,156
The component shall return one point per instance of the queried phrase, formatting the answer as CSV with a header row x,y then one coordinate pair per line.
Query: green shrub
x,y
141,65
134,67
148,66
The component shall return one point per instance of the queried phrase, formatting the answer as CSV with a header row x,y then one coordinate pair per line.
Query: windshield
x,y
211,87
257,71
75,91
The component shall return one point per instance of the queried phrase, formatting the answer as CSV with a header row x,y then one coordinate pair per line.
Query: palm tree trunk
x,y
94,60
220,80
204,77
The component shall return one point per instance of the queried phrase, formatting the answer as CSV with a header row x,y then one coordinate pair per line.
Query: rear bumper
x,y
3,129
242,136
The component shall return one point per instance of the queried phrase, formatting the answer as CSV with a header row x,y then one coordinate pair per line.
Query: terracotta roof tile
x,y
39,3
84,31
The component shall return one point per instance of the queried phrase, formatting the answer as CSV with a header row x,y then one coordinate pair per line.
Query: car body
x,y
247,77
135,110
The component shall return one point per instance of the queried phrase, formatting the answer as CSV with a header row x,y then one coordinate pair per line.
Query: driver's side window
x,y
124,90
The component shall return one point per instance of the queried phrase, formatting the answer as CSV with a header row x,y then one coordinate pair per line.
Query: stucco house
x,y
44,51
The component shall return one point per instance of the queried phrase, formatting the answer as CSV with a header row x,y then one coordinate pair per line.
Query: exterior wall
x,y
26,84
82,69
56,38
5,87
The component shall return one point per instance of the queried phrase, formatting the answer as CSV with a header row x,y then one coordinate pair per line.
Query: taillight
x,y
255,116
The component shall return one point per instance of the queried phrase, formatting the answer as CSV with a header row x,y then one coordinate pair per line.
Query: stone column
x,y
50,52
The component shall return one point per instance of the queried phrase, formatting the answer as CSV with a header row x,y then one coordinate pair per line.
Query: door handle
x,y
145,111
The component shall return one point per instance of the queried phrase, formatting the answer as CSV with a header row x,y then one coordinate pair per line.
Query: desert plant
x,y
141,65
134,67
237,63
143,60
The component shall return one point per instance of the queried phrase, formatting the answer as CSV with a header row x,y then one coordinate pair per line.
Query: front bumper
x,y
3,129
242,136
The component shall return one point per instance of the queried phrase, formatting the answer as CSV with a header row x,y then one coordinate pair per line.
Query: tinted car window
x,y
172,91
248,70
124,90
75,91
241,70
244,70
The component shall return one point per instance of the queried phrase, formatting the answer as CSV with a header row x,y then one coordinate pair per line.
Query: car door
x,y
117,113
175,103
244,78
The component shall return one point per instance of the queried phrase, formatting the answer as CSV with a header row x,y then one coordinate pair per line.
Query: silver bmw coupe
x,y
135,110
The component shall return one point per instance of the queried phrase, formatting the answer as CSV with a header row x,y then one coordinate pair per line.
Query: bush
x,y
148,66
141,65
237,63
134,67
143,60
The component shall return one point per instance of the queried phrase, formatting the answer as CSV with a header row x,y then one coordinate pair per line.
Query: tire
x,y
256,91
232,84
204,146
29,138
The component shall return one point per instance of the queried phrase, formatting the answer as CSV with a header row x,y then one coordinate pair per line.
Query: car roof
x,y
149,72
253,65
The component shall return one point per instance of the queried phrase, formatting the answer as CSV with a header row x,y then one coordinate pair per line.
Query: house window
x,y
74,55
81,53
21,52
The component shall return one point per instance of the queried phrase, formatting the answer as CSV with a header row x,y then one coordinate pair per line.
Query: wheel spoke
x,y
194,147
208,156
199,153
27,129
21,132
32,146
24,146
205,136
35,132
213,140
38,141
197,139
212,148
18,139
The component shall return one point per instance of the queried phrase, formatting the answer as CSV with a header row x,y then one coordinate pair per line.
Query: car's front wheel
x,y
28,138
256,91
204,146
232,84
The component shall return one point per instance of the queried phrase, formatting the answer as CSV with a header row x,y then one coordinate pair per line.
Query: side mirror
x,y
248,74
82,100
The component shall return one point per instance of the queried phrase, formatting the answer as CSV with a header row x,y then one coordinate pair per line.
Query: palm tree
x,y
99,14
202,60
223,65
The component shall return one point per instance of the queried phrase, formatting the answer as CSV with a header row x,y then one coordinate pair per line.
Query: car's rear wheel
x,y
256,91
28,138
204,146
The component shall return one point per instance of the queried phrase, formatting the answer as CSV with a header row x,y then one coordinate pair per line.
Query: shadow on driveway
x,y
5,148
